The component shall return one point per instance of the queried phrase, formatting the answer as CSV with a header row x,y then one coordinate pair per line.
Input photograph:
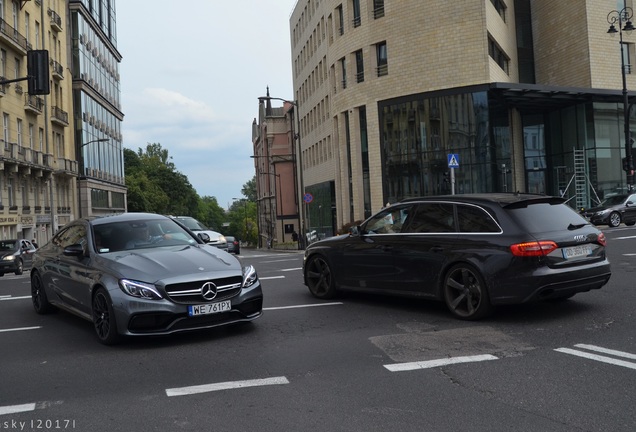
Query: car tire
x,y
465,293
104,318
614,219
319,278
19,267
38,295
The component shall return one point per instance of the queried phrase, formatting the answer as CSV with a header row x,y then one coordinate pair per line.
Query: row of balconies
x,y
35,104
32,162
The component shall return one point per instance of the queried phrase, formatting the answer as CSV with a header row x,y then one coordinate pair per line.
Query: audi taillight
x,y
536,248
601,239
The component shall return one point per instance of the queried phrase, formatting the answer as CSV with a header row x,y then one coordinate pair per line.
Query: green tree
x,y
249,190
156,186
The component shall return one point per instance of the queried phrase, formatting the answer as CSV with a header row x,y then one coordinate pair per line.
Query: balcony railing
x,y
33,104
59,116
57,70
56,21
10,34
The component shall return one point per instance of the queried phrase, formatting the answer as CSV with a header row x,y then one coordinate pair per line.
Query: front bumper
x,y
137,317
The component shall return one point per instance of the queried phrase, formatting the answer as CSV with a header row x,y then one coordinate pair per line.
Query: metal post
x,y
618,17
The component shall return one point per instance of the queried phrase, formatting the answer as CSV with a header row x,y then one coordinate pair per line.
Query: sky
x,y
191,75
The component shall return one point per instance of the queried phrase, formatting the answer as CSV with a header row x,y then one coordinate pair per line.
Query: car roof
x,y
507,200
125,217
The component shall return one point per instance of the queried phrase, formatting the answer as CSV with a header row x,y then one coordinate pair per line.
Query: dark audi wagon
x,y
472,251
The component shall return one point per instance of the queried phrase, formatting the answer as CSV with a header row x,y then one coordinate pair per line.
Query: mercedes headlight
x,y
8,258
139,289
249,276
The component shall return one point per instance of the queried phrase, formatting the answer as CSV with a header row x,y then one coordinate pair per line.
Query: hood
x,y
179,263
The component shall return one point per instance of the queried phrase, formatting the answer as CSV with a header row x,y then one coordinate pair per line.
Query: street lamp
x,y
299,151
624,20
82,168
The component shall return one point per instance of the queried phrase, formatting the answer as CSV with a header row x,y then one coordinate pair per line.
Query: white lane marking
x,y
14,298
624,238
272,277
19,329
303,306
12,409
182,391
399,367
597,357
630,254
292,269
607,351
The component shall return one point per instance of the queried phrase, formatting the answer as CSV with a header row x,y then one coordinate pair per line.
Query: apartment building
x,y
62,149
523,95
37,181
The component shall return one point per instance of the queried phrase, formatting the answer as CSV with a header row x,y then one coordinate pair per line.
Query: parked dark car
x,y
233,245
613,210
15,256
473,251
142,274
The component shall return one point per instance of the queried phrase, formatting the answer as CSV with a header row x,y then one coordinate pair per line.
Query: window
x,y
10,192
343,66
475,220
339,11
3,63
359,66
5,129
500,7
382,59
627,49
389,221
378,9
19,130
357,20
433,218
498,55
17,68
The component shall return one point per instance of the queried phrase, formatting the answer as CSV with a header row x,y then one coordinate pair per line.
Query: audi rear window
x,y
544,217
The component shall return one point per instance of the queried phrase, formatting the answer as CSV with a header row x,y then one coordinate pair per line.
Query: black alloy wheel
x,y
104,318
320,278
614,219
465,293
38,295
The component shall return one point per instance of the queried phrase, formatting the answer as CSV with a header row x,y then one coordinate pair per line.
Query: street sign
x,y
308,198
453,160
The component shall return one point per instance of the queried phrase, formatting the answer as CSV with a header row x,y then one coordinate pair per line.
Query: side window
x,y
388,221
74,234
632,198
473,219
432,218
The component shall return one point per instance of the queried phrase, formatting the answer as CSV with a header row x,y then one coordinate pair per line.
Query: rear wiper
x,y
572,227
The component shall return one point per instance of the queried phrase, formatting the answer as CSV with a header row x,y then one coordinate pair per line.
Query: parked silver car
x,y
140,274
217,239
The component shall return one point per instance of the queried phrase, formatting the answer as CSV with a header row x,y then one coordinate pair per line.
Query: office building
x,y
519,95
97,107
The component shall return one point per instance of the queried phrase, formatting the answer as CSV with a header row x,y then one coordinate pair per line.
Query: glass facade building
x,y
97,107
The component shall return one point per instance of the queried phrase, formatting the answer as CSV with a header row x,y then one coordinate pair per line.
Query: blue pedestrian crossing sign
x,y
453,160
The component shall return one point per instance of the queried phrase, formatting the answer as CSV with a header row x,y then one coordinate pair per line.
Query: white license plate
x,y
577,251
210,308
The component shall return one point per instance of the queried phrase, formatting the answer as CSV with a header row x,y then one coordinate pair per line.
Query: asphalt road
x,y
357,363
